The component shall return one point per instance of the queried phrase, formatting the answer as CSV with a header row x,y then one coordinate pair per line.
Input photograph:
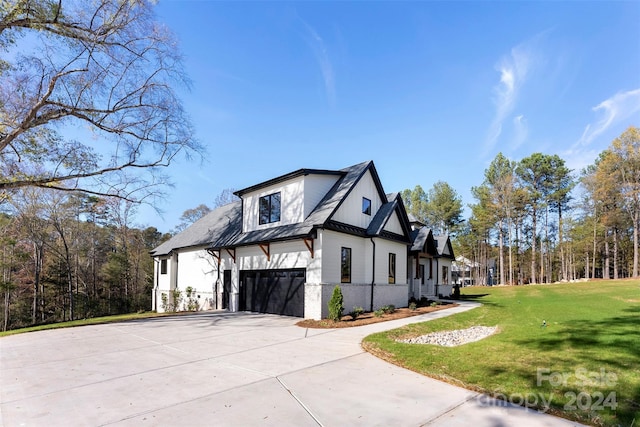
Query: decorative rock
x,y
453,338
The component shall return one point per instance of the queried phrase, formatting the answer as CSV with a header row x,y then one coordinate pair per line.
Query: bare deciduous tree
x,y
87,98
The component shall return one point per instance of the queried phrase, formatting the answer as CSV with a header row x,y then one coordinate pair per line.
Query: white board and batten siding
x,y
298,197
383,249
283,255
315,188
332,244
358,291
350,212
393,225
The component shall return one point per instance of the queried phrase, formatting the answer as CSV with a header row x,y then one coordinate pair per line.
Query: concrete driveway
x,y
235,369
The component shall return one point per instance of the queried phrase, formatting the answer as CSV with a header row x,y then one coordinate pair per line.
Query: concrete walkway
x,y
229,369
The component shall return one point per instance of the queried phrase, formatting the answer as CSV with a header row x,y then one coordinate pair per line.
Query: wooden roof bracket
x,y
266,248
232,253
215,254
308,242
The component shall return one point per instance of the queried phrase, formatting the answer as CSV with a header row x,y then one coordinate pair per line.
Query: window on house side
x,y
445,275
392,268
345,265
366,206
269,208
163,266
421,273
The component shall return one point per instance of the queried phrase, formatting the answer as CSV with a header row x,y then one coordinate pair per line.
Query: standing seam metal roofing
x,y
220,225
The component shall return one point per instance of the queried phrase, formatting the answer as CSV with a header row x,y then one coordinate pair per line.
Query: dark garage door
x,y
273,291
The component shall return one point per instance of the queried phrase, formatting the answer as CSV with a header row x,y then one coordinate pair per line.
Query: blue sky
x,y
428,90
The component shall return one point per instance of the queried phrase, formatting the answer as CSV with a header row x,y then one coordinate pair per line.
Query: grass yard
x,y
584,363
90,321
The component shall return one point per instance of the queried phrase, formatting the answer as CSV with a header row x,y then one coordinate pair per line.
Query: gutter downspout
x,y
373,278
437,275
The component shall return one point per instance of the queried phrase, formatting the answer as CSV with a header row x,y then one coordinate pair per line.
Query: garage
x,y
273,291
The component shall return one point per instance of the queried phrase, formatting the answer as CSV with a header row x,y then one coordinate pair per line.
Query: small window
x,y
366,206
445,275
345,265
421,273
392,268
163,266
269,207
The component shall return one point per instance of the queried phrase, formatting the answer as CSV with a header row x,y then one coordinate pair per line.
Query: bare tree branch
x,y
105,66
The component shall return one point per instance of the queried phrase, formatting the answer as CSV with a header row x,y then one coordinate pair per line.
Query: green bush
x,y
192,302
176,299
434,304
336,304
413,306
357,311
388,309
379,312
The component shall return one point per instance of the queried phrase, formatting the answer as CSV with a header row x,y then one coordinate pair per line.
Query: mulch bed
x,y
369,318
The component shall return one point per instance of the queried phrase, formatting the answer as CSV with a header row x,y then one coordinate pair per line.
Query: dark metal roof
x,y
420,239
286,177
219,226
443,241
222,228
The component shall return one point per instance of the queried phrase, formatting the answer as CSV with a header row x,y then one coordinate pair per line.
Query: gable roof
x,y
320,215
339,192
395,205
222,228
442,242
423,240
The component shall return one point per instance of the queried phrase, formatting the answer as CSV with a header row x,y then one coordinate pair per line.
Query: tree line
x,y
68,256
536,221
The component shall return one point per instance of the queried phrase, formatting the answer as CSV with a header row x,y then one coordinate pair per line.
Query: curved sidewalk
x,y
229,369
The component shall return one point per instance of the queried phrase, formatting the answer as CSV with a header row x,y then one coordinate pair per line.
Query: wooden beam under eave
x,y
266,248
308,242
232,253
215,255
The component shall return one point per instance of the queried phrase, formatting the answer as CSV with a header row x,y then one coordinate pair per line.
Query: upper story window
x,y
270,208
163,266
366,206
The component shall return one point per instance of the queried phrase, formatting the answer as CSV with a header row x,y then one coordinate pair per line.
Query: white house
x,y
288,242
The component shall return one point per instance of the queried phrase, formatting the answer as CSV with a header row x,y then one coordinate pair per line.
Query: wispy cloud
x,y
319,49
515,69
612,111
521,131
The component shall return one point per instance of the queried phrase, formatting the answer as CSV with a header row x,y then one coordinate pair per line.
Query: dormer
x,y
285,200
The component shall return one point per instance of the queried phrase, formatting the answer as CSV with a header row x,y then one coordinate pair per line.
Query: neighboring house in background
x,y
288,242
465,271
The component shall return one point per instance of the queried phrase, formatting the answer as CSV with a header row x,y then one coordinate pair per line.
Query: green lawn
x,y
90,321
584,362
